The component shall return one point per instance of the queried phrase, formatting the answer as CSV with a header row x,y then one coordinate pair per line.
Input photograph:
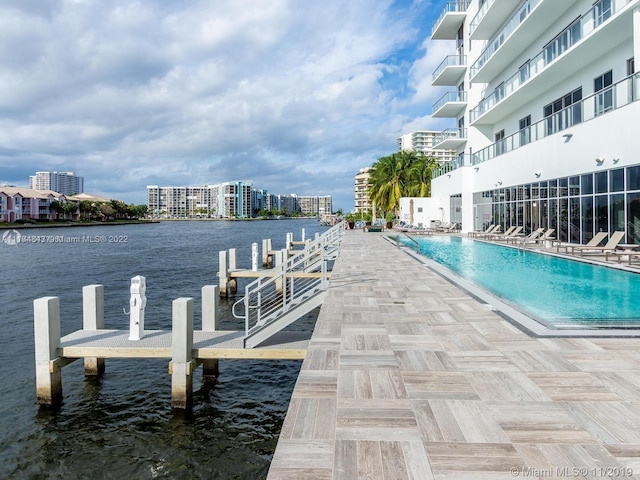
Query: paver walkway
x,y
409,377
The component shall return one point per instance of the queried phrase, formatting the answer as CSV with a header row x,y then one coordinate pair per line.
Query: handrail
x,y
290,282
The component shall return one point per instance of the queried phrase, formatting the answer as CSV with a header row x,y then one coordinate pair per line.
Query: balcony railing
x,y
480,15
578,30
458,162
447,98
515,21
450,7
618,95
450,61
448,134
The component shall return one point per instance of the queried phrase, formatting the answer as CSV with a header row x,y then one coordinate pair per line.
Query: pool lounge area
x,y
409,376
542,291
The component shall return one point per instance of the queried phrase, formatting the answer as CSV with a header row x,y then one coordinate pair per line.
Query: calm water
x,y
122,425
553,290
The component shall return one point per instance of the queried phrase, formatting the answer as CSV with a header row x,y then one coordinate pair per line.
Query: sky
x,y
293,95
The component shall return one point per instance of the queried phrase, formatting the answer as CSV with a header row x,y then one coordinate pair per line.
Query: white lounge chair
x,y
611,245
510,233
594,242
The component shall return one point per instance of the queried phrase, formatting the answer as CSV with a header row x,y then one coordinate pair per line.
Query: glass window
x,y
574,220
553,188
633,217
574,186
602,213
543,189
616,180
633,178
586,184
601,182
616,213
563,187
587,219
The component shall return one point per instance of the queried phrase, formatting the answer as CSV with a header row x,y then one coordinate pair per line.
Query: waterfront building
x,y
362,203
17,203
228,200
543,103
424,141
66,183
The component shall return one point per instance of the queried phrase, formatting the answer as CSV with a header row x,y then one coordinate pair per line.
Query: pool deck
x,y
408,376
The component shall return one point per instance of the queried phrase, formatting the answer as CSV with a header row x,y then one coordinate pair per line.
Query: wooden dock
x,y
409,377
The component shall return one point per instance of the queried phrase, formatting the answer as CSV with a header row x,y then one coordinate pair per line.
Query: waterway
x,y
122,425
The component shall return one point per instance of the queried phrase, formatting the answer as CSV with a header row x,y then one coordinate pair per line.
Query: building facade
x,y
66,183
228,200
543,102
424,141
17,204
361,191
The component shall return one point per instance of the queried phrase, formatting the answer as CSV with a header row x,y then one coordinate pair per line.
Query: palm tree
x,y
387,181
420,174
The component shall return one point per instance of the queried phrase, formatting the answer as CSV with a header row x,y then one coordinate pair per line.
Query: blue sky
x,y
293,95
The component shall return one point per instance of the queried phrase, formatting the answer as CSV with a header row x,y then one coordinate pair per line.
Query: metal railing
x,y
450,7
290,283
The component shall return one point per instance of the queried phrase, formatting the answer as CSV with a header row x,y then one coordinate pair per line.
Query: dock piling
x,y
182,354
210,319
93,319
46,320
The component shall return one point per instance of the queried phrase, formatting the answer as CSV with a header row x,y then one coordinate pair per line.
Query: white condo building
x,y
543,101
66,183
424,141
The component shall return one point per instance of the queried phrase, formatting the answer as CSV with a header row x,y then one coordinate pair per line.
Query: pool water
x,y
555,291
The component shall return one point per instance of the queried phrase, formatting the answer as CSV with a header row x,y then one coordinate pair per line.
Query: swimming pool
x,y
557,292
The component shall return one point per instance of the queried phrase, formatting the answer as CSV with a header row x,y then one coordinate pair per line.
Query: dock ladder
x,y
294,288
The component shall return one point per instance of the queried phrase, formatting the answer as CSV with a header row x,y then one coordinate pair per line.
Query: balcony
x,y
490,17
450,20
617,96
590,36
450,70
450,105
450,139
520,31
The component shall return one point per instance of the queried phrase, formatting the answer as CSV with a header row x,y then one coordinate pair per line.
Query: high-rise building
x,y
424,141
66,183
544,109
361,191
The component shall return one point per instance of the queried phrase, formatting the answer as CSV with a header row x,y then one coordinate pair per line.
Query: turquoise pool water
x,y
557,292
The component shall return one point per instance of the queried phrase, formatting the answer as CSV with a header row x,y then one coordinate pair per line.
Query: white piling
x,y
93,319
254,257
46,323
303,234
265,253
137,305
233,283
223,272
181,353
210,319
289,241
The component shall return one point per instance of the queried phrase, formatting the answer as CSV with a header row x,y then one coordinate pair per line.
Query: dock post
x,y
270,259
281,258
181,353
223,272
254,257
210,320
46,323
303,235
289,241
265,253
233,282
93,319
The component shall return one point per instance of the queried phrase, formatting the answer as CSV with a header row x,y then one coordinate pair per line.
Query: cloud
x,y
296,96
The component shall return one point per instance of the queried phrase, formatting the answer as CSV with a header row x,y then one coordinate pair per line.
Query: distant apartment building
x,y
227,200
424,141
314,205
361,191
18,203
66,183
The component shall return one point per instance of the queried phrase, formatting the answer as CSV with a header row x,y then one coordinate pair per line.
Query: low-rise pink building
x,y
17,203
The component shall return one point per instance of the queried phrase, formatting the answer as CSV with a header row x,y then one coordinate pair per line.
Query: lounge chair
x,y
611,245
488,230
510,233
531,238
546,238
594,242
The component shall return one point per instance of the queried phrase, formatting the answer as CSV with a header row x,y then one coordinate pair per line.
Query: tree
x,y
388,180
420,174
